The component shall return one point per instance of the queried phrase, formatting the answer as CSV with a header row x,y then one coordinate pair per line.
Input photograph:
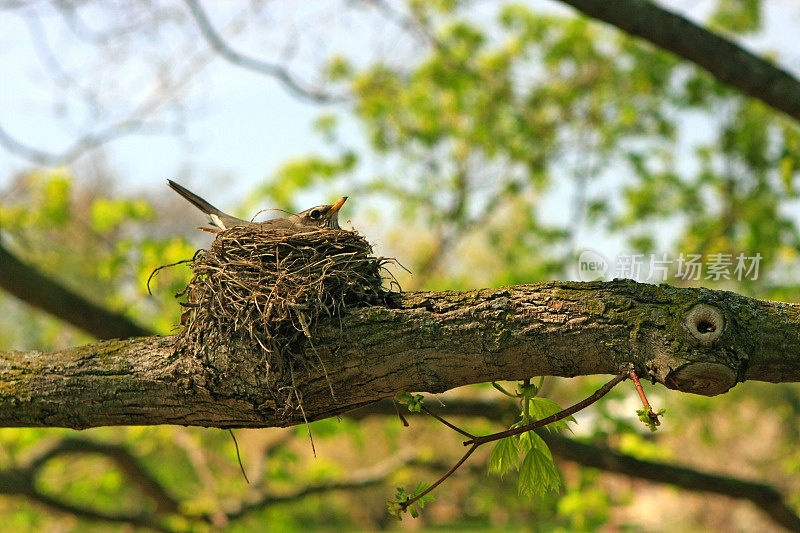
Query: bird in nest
x,y
321,216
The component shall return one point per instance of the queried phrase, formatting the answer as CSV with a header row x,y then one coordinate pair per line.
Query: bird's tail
x,y
195,200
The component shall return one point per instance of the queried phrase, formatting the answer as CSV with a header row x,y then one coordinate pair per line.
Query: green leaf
x,y
530,440
325,125
414,401
787,169
504,457
56,192
651,421
538,474
397,506
107,214
739,16
299,173
394,509
541,408
338,68
422,487
403,397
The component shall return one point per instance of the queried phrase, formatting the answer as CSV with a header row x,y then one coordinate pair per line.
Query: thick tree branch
x,y
725,60
35,288
693,340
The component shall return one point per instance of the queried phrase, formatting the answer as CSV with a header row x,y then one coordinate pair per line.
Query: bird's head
x,y
323,216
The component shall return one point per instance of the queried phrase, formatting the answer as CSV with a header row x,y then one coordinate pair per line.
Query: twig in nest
x,y
157,269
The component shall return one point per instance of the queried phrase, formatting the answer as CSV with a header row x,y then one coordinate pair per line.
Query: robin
x,y
321,216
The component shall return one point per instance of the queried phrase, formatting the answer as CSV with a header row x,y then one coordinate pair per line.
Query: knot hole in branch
x,y
705,323
708,379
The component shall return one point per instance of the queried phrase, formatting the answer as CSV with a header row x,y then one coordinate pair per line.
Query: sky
x,y
243,125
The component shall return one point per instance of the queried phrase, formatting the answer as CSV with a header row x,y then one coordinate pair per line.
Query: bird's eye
x,y
314,214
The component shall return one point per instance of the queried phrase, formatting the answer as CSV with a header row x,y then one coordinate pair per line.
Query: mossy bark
x,y
694,340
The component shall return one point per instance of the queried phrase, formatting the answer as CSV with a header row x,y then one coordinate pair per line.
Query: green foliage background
x,y
474,142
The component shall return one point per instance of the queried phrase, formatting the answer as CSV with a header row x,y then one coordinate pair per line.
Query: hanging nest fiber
x,y
266,290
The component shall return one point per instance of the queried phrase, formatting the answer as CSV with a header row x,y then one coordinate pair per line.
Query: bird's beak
x,y
337,205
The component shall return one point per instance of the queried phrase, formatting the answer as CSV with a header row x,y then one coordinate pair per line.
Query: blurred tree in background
x,y
484,144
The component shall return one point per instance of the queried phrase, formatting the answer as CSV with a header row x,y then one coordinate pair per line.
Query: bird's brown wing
x,y
291,222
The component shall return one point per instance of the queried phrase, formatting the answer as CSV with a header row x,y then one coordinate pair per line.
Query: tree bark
x,y
693,340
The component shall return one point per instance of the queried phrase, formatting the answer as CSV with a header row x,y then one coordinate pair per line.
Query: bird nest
x,y
266,290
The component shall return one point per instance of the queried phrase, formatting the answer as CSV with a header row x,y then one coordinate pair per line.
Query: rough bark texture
x,y
727,61
693,340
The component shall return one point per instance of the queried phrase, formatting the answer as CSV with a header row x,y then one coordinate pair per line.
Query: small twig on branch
x,y
438,482
399,414
646,415
564,413
446,423
766,497
475,442
640,390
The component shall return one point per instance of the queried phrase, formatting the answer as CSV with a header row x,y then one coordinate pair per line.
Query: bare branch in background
x,y
83,145
134,469
766,497
82,30
366,477
406,21
170,80
21,480
34,288
724,59
273,70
